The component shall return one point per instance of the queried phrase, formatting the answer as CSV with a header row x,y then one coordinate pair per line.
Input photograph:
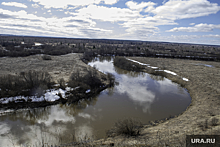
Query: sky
x,y
183,21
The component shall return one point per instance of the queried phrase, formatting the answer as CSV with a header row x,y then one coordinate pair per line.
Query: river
x,y
137,95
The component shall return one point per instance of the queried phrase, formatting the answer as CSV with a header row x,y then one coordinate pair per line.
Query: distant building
x,y
37,44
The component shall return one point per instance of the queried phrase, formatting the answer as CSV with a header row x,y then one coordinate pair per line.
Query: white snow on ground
x,y
152,67
142,63
50,96
87,91
170,72
137,62
167,71
208,65
185,79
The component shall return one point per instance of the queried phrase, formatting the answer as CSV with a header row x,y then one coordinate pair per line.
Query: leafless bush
x,y
91,79
33,78
111,79
62,83
123,63
46,57
128,127
203,125
27,83
214,121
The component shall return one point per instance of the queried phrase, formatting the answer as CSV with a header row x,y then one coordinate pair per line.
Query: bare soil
x,y
204,89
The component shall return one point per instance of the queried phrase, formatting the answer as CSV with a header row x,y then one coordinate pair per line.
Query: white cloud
x,y
192,24
65,3
15,4
164,1
135,6
110,2
29,24
180,9
149,9
49,11
107,14
197,28
211,36
35,5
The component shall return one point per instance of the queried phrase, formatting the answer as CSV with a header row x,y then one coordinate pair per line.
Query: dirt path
x,y
198,119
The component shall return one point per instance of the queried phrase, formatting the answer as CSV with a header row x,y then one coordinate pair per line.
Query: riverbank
x,y
198,119
69,74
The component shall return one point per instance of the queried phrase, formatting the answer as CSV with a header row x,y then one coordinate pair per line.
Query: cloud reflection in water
x,y
137,90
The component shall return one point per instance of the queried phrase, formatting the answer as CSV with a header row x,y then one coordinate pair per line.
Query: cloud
x,y
197,28
35,5
164,1
15,4
180,9
65,3
110,2
4,16
50,26
135,6
211,36
192,24
112,14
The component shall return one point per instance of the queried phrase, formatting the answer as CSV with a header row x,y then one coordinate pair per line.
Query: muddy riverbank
x,y
199,118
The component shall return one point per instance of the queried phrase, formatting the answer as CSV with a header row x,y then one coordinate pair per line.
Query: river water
x,y
137,95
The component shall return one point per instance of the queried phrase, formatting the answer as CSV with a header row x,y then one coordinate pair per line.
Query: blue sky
x,y
185,21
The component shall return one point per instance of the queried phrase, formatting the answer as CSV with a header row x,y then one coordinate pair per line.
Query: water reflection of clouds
x,y
103,66
4,128
167,86
84,131
137,90
57,114
85,115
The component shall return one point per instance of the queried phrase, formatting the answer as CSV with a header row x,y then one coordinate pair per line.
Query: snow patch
x,y
137,62
87,91
51,95
152,67
185,79
170,72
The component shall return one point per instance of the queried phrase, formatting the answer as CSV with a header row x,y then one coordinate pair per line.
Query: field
x,y
59,67
66,71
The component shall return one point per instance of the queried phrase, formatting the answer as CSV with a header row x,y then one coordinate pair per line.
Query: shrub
x,y
111,79
46,57
128,127
34,79
203,125
123,63
91,79
214,121
27,83
62,83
